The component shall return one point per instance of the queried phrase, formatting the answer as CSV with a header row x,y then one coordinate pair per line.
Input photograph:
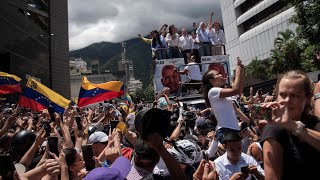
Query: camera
x,y
190,118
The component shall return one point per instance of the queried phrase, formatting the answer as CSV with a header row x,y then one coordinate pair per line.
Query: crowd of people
x,y
260,137
205,40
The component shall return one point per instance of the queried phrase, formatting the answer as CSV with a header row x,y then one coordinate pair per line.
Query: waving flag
x,y
93,93
9,83
38,97
128,99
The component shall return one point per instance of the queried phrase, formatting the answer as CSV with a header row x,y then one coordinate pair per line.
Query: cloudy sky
x,y
119,20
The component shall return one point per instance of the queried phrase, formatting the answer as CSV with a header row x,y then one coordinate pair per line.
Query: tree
x,y
149,91
286,54
307,16
256,69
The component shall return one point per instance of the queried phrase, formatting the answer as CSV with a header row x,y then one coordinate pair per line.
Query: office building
x,y
34,42
252,25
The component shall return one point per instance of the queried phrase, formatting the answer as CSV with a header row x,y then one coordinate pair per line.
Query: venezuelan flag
x,y
9,83
93,93
128,99
38,97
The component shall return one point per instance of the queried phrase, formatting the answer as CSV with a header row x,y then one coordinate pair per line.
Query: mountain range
x,y
109,54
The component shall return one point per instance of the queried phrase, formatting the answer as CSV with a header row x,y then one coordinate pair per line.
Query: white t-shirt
x,y
223,110
194,71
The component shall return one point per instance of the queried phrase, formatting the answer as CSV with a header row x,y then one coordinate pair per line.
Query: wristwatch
x,y
316,96
299,129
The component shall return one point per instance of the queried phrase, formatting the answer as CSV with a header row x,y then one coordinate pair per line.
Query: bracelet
x,y
316,96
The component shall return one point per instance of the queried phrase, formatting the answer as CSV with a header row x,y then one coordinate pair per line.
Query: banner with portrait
x,y
165,75
219,63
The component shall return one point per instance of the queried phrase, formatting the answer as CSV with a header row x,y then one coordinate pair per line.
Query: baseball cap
x,y
119,170
201,123
98,137
152,120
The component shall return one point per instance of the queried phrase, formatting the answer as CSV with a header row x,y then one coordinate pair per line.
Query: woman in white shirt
x,y
219,99
172,39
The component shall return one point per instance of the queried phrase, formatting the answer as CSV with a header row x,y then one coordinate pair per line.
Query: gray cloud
x,y
118,20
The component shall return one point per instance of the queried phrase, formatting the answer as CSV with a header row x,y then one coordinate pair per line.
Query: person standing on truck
x,y
219,99
195,76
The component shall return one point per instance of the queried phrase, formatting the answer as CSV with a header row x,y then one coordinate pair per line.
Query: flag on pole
x,y
93,93
128,99
38,97
9,83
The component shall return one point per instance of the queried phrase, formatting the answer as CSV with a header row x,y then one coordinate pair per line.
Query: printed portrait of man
x,y
170,78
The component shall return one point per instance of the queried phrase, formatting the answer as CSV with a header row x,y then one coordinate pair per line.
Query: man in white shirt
x,y
235,164
195,76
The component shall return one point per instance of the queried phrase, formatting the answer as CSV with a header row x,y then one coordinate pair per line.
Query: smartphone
x,y
6,167
78,121
245,169
53,145
113,124
46,126
205,156
78,109
87,156
259,113
51,113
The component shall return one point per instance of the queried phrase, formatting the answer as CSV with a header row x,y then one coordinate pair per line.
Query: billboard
x,y
219,63
165,75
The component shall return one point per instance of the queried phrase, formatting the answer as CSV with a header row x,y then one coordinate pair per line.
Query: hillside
x,y
109,55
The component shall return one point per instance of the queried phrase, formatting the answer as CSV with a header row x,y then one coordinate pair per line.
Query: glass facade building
x,y
34,42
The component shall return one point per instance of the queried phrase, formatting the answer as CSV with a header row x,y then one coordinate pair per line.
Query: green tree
x,y
308,18
256,69
149,91
286,54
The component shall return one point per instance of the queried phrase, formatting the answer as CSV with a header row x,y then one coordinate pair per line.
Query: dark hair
x,y
157,38
170,29
206,86
231,136
70,155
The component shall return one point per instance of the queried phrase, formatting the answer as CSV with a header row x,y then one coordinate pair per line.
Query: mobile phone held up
x,y
46,126
78,121
51,113
260,113
53,145
87,156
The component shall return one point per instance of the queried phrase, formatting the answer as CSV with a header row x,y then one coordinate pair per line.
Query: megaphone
x,y
122,127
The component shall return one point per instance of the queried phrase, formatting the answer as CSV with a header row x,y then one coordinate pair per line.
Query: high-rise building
x,y
252,25
34,42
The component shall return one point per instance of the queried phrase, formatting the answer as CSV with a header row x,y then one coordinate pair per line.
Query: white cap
x,y
98,137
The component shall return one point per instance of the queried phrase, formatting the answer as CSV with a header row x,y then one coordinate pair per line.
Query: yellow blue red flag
x,y
38,97
9,83
128,99
93,93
